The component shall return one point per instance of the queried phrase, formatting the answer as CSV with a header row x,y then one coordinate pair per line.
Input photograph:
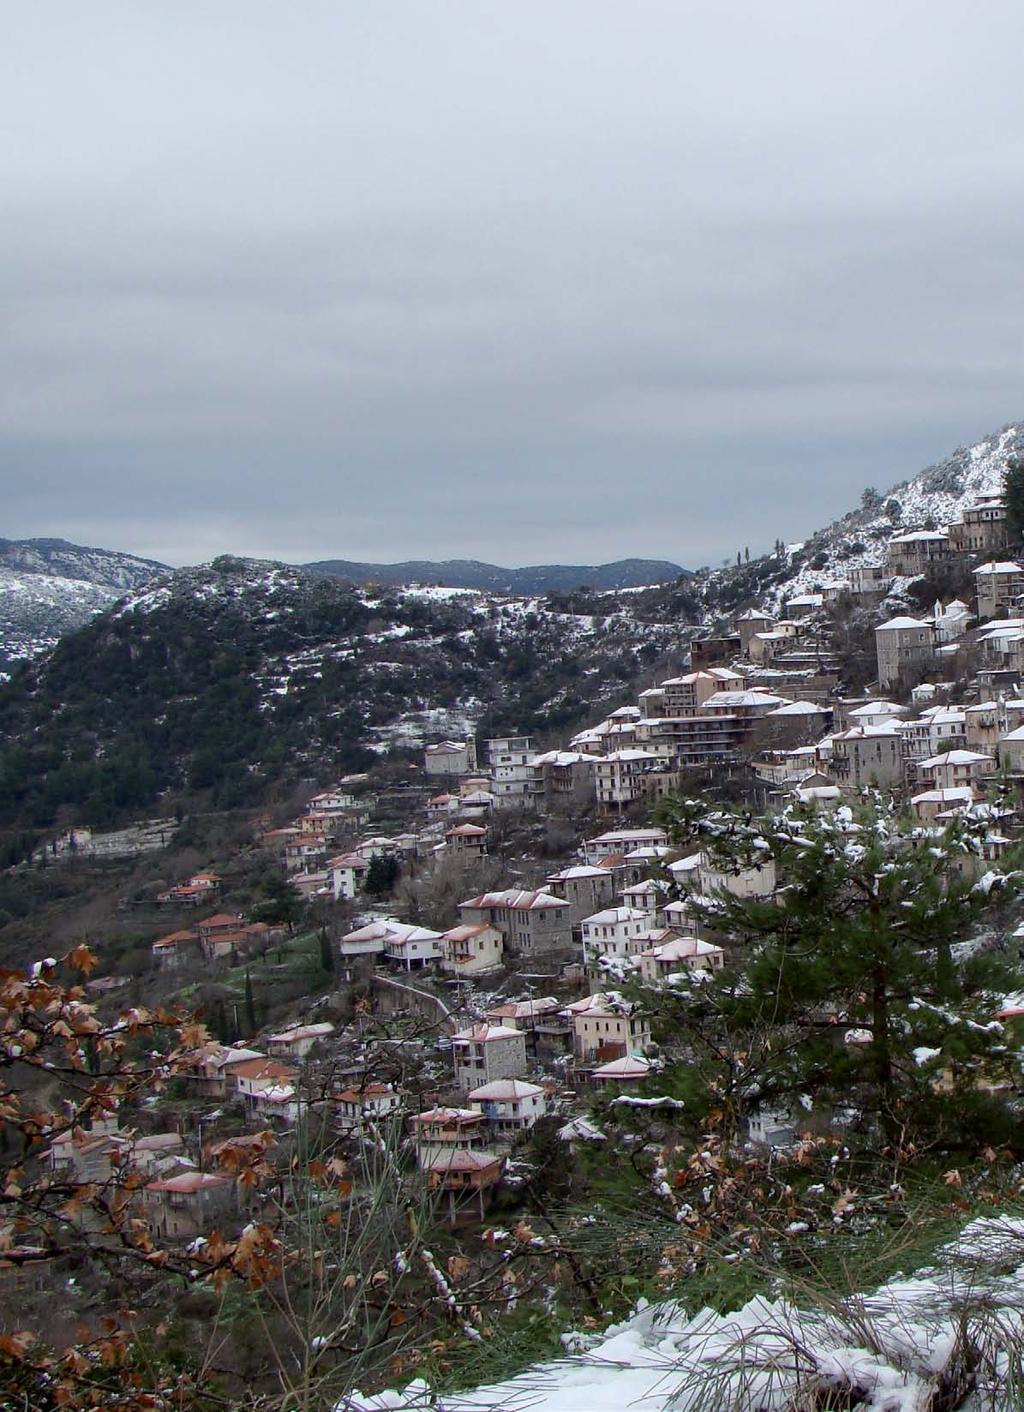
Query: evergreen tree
x,y
326,951
842,988
284,902
381,875
1013,491
250,1005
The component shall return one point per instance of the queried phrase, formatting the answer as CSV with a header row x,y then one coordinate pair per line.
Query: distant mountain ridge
x,y
492,578
49,587
59,558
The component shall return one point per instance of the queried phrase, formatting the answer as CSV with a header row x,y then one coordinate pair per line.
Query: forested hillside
x,y
229,678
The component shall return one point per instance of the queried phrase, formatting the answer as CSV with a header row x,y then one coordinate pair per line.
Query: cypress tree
x,y
250,1005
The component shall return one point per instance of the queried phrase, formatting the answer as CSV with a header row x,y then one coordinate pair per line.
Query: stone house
x,y
999,586
176,949
867,755
486,1052
585,887
904,648
529,921
543,1021
615,841
450,757
982,528
618,777
1011,750
984,724
912,554
467,840
190,1204
955,769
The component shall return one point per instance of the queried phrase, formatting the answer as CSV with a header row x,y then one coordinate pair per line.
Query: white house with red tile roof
x,y
296,1042
679,953
606,1026
472,948
364,1107
511,1106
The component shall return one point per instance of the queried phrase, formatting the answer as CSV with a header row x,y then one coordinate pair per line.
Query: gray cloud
x,y
523,282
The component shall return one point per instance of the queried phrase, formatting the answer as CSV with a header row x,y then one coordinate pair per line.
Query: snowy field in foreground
x,y
950,1336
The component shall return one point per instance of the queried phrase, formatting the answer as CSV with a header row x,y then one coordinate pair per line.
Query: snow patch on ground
x,y
769,1352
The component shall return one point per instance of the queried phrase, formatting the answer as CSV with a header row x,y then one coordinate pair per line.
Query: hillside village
x,y
449,974
523,1006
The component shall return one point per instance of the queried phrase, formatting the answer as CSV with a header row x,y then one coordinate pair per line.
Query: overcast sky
x,y
521,280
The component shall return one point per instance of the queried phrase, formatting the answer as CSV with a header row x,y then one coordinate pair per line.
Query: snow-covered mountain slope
x,y
59,558
934,498
49,587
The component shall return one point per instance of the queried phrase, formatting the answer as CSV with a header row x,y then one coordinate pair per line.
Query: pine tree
x,y
842,986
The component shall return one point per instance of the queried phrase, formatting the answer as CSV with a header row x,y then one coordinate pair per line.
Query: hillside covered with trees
x,y
227,680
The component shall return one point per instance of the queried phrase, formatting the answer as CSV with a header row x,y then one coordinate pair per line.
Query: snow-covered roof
x,y
889,728
628,836
388,930
961,794
751,697
612,916
688,864
956,757
800,708
683,948
629,1067
517,899
1002,566
505,1089
900,624
485,1034
916,536
876,708
580,1130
